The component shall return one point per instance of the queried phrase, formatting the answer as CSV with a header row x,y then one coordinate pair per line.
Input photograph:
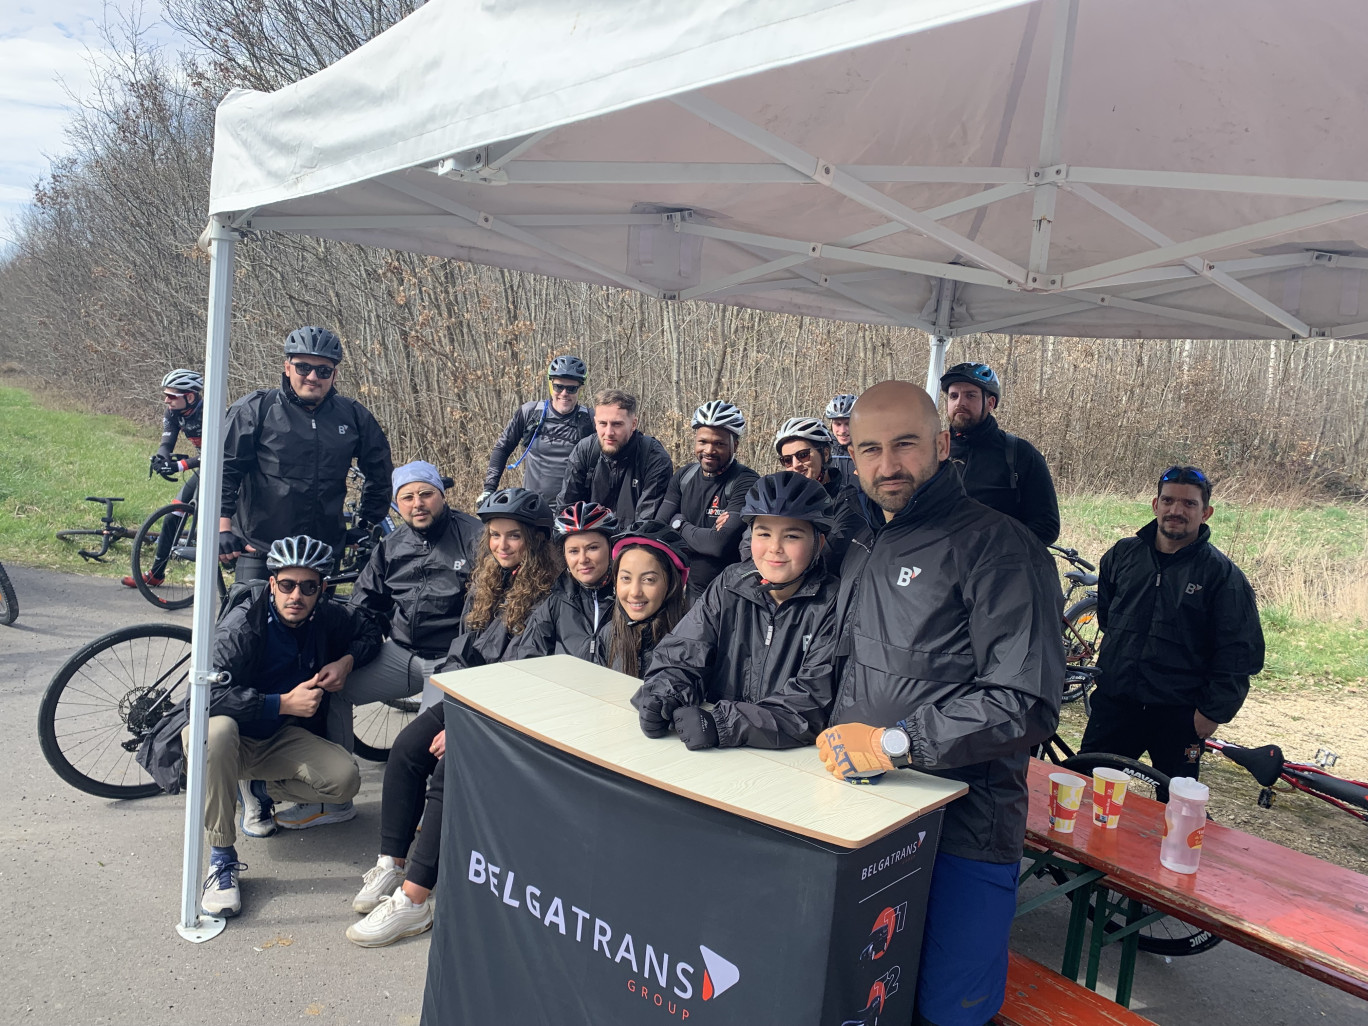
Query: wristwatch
x,y
897,746
677,522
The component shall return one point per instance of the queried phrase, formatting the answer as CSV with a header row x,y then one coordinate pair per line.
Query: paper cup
x,y
1066,795
1109,793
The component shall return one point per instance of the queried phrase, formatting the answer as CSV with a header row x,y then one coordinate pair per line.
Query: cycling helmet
x,y
718,413
791,495
583,517
314,341
973,374
183,380
661,537
840,406
568,367
301,550
810,429
519,504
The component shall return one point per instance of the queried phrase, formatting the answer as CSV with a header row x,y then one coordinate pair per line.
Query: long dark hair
x,y
517,593
631,637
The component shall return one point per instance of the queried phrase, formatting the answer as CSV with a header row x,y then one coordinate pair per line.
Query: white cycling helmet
x,y
840,406
301,550
183,380
718,413
809,429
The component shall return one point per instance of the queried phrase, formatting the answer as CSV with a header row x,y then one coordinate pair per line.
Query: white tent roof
x,y
1110,168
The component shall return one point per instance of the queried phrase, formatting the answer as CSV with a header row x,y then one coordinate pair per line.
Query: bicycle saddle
x,y
1079,577
1264,763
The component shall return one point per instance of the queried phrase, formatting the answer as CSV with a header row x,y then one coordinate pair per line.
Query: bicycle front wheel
x,y
9,602
105,700
1081,636
376,725
164,557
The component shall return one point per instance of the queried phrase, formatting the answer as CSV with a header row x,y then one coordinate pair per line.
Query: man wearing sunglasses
x,y
547,429
282,648
1181,634
286,455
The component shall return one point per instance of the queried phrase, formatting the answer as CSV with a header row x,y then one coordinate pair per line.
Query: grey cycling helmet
x,y
183,380
568,367
301,550
314,341
718,413
840,406
787,494
809,429
519,504
973,374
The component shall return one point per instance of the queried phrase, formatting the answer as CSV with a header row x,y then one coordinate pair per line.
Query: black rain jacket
x,y
632,484
700,500
543,462
1184,633
572,620
950,624
174,422
415,582
770,669
238,649
980,454
285,466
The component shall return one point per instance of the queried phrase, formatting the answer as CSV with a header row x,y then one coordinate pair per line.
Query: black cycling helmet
x,y
584,517
519,504
568,367
661,537
973,374
314,341
788,494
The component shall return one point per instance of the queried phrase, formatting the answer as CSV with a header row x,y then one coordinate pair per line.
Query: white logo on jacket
x,y
905,575
341,429
1193,589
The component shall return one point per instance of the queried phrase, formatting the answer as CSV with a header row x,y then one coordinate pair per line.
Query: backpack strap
x,y
1012,464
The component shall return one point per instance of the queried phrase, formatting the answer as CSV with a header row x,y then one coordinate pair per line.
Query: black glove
x,y
160,464
359,533
655,712
230,544
696,727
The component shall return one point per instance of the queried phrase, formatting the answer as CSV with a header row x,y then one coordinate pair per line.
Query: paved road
x,y
91,888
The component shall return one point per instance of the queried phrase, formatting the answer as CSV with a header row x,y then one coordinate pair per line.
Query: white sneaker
x,y
393,919
378,883
221,896
257,809
302,816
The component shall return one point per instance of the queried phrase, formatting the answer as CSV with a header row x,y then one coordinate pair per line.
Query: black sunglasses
x,y
567,389
306,588
321,371
801,456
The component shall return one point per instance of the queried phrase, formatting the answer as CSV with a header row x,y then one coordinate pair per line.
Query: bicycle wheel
x,y
1167,936
176,575
105,699
1080,644
376,725
9,602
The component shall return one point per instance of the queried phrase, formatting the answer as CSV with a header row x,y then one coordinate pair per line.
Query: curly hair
x,y
513,595
632,639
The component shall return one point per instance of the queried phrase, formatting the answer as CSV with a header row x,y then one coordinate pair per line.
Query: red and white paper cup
x,y
1109,794
1066,796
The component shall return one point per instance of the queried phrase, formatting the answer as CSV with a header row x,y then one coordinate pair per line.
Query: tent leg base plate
x,y
204,928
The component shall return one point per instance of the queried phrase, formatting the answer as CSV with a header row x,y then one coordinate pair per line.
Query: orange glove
x,y
852,752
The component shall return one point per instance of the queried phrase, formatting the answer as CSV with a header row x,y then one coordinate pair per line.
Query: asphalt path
x,y
92,890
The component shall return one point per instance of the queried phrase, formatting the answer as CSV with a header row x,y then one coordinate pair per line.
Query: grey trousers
x,y
394,673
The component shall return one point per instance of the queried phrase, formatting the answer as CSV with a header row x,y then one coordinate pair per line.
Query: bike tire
x,y
9,601
1168,936
103,701
177,590
377,724
1080,644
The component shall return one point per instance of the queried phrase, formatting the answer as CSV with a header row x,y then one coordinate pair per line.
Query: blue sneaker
x,y
221,896
258,810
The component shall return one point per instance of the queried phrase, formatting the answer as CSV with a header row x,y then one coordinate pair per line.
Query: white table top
x,y
585,710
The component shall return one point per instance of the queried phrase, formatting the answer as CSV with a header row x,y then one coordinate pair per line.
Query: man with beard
x,y
617,466
999,469
1182,635
950,663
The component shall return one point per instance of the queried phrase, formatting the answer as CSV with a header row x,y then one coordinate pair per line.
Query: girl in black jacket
x,y
576,618
650,573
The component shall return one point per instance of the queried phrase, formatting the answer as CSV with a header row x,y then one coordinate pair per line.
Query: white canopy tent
x,y
1098,168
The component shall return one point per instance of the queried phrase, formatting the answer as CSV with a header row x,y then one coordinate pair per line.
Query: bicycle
x,y
1080,625
169,580
111,532
9,602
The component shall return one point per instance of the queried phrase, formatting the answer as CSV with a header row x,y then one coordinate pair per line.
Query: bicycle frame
x,y
1343,793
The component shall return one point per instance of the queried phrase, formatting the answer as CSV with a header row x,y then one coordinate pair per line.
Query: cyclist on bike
x,y
951,664
283,649
705,497
414,586
761,643
286,454
1181,634
838,416
999,469
547,429
617,466
182,395
650,579
576,618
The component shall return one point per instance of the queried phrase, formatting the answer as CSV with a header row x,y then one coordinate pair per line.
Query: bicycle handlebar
x,y
1072,556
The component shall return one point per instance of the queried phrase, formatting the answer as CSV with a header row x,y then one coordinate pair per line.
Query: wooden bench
x,y
1037,996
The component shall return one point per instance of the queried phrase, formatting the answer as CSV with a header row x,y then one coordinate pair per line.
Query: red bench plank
x,y
1037,996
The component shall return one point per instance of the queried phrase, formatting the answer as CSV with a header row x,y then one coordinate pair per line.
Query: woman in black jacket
x,y
576,618
650,573
516,567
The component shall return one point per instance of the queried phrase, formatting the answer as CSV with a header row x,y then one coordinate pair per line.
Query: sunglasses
x,y
173,395
321,371
801,456
1183,475
306,588
567,389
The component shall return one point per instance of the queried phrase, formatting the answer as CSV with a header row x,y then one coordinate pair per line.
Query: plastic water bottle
x,y
1184,823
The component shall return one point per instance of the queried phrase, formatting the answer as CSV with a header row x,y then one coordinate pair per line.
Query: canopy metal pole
x,y
222,242
935,366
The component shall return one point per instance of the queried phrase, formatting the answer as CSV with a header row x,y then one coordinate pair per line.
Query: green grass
x,y
50,459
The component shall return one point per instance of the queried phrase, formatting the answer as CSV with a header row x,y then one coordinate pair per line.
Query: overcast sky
x,y
44,48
